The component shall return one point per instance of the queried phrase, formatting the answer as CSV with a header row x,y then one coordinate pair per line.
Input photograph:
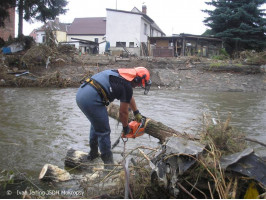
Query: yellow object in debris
x,y
252,192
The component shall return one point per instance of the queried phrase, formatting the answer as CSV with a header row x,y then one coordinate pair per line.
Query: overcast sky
x,y
172,16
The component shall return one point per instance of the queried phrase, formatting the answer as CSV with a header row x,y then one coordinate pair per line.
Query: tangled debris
x,y
191,169
179,168
38,67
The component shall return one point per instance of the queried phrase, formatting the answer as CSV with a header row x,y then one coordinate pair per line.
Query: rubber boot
x,y
93,153
108,161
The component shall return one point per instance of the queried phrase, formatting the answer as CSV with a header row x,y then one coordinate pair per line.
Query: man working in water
x,y
97,92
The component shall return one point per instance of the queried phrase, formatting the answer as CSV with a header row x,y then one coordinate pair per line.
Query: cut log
x,y
53,173
75,158
78,160
153,128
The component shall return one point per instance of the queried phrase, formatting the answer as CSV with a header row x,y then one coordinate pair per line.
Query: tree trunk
x,y
20,17
53,173
153,128
78,160
75,158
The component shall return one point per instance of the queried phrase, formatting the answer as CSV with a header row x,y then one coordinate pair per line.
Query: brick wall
x,y
9,28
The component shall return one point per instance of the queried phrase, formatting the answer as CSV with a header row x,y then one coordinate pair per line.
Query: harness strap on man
x,y
99,89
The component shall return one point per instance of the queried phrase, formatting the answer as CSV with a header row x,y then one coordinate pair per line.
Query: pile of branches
x,y
44,56
206,179
253,57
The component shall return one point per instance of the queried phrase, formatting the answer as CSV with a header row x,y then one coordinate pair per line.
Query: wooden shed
x,y
184,45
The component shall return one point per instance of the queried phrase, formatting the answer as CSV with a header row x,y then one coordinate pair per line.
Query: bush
x,y
2,42
223,55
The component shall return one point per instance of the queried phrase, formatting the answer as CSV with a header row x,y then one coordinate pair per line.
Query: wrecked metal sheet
x,y
251,166
246,163
177,145
231,159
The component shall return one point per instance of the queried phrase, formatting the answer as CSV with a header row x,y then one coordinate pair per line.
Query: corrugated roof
x,y
88,26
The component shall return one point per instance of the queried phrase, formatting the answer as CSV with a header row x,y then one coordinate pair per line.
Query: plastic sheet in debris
x,y
174,159
246,163
177,145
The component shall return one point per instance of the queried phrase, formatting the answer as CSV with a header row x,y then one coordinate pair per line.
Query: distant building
x,y
184,45
130,30
33,34
59,31
9,29
90,28
87,33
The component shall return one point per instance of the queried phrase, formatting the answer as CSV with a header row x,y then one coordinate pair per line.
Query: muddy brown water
x,y
39,125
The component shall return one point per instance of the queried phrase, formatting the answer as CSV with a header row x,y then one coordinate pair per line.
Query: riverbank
x,y
182,73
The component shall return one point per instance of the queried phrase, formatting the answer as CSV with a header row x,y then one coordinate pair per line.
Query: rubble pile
x,y
219,165
252,57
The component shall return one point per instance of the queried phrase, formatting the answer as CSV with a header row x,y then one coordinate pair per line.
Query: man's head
x,y
139,76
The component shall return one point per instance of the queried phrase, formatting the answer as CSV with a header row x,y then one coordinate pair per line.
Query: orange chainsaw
x,y
137,129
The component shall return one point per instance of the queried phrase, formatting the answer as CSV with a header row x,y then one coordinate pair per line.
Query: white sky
x,y
172,16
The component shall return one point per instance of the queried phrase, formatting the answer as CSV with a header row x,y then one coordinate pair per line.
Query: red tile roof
x,y
88,26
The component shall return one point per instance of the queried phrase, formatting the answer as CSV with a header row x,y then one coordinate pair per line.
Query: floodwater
x,y
39,125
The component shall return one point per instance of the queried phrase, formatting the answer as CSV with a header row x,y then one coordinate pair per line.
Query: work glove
x,y
138,116
126,130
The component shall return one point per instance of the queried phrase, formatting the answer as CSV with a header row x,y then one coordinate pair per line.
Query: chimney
x,y
144,9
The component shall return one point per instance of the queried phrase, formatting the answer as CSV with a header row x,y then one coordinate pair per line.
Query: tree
x,y
4,6
240,23
41,10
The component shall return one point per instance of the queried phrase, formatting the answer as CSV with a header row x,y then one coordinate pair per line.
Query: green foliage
x,y
240,23
217,64
41,10
6,177
208,32
223,55
2,42
4,5
225,138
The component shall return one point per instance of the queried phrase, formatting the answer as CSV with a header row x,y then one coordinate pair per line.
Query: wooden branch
x,y
184,189
153,128
256,141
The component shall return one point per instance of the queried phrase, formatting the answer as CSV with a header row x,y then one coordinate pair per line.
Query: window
x,y
43,39
131,44
120,44
96,40
145,29
152,32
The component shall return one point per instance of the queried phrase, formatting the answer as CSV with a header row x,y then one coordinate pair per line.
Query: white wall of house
x,y
145,30
123,27
40,35
129,28
102,47
155,33
86,37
